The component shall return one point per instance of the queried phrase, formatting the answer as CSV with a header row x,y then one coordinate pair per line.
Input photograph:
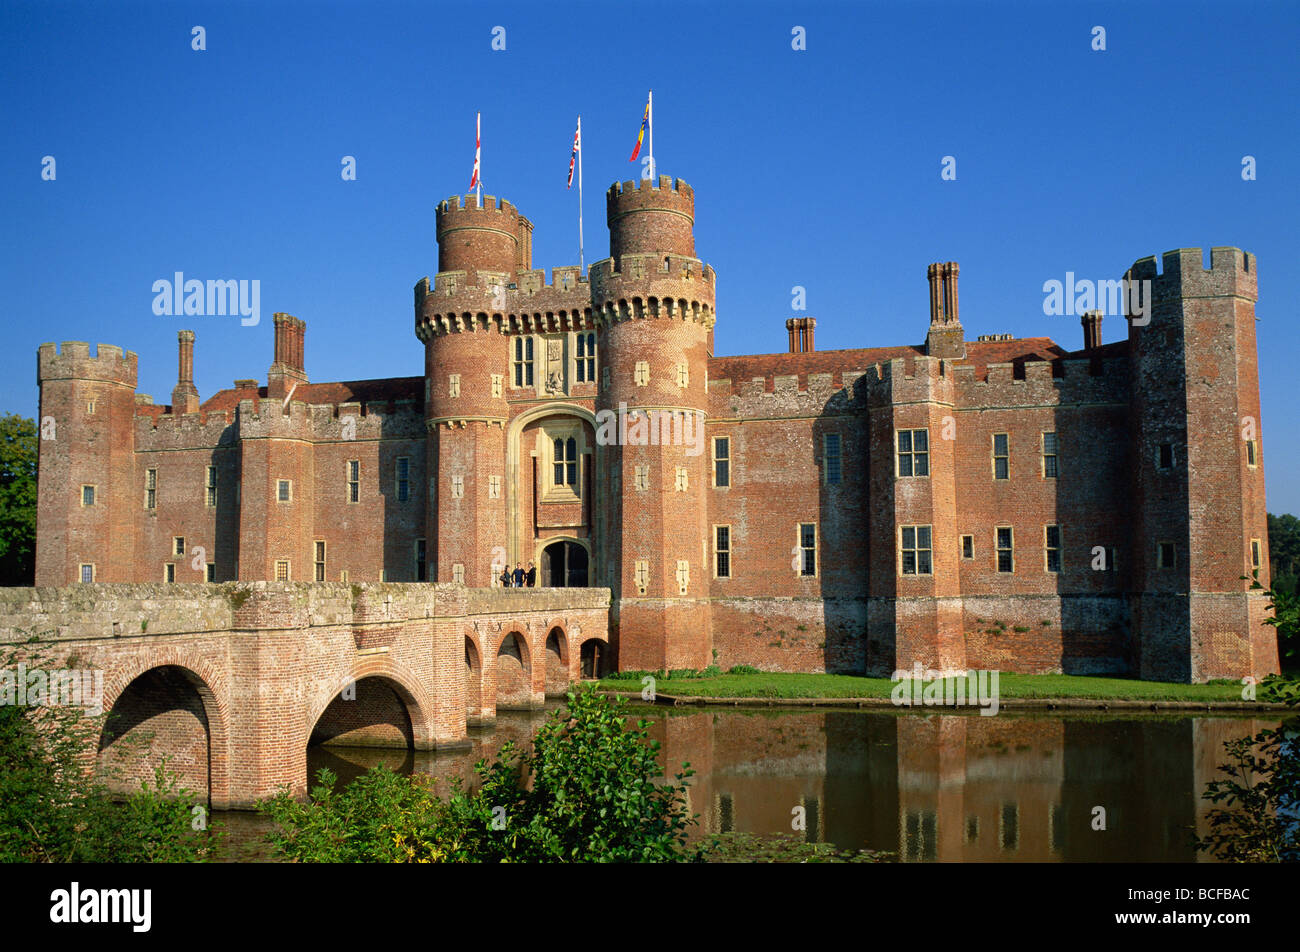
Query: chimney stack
x,y
185,397
946,338
287,366
801,331
1091,321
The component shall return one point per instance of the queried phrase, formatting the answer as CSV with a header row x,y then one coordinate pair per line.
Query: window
x,y
1049,456
585,371
1251,459
282,570
913,452
683,375
1166,555
968,547
421,561
87,495
90,407
1166,457
320,560
1005,549
1254,554
683,575
722,551
403,478
211,486
354,480
453,385
284,490
523,361
641,575
721,461
917,552
642,478
565,464
831,457
87,572
210,572
178,545
680,482
494,487
497,383
151,489
642,373
807,548
1052,542
169,571
458,573
1001,456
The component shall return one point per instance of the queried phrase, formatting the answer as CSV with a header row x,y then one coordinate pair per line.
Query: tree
x,y
17,500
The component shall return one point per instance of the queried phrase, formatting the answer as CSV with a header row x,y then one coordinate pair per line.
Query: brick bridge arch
x,y
404,683
208,682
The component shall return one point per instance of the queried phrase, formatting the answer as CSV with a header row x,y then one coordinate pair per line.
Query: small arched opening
x,y
557,662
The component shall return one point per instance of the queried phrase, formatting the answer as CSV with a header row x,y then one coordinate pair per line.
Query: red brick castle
x,y
997,503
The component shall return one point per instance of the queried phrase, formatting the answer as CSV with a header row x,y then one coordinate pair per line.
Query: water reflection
x,y
933,787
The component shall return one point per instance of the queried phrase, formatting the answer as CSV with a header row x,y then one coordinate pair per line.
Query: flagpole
x,y
580,261
650,109
478,139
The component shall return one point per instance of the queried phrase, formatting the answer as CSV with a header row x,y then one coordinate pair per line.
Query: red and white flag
x,y
478,126
577,147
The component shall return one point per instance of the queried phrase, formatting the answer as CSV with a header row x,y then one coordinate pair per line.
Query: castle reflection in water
x,y
937,787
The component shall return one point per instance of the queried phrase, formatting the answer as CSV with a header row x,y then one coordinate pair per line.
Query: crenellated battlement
x,y
468,204
1182,273
72,360
651,217
186,431
1035,383
326,423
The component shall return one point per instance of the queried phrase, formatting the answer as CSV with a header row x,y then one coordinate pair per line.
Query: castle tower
x,y
461,323
88,494
654,305
1196,464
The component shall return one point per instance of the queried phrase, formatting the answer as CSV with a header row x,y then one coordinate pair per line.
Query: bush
x,y
591,790
743,669
1262,791
52,809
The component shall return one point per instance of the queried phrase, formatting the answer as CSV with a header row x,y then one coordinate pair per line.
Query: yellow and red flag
x,y
640,136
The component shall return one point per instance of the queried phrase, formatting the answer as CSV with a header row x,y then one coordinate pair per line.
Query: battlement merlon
x,y
71,360
1232,272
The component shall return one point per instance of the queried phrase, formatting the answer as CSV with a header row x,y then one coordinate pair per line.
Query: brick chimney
x,y
287,366
185,396
1091,322
946,338
801,331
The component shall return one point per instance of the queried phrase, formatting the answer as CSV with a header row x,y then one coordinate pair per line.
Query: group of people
x,y
520,577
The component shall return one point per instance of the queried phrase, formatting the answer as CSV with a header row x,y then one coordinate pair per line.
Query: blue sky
x,y
818,168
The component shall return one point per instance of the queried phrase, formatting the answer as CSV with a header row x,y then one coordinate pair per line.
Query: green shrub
x,y
743,669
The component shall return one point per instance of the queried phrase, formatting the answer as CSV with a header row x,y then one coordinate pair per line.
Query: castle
x,y
996,503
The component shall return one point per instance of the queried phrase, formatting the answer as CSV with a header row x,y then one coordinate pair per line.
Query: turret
x,y
87,495
1196,462
654,305
487,238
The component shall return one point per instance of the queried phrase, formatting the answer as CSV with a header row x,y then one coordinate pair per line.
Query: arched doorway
x,y
592,657
564,565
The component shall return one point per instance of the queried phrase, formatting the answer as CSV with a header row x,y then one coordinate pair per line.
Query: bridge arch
x,y
557,654
513,668
382,692
166,704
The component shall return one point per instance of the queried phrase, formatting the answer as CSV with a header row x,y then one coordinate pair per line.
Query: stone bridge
x,y
232,683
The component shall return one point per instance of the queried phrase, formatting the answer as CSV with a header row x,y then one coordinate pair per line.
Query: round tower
x,y
459,318
654,306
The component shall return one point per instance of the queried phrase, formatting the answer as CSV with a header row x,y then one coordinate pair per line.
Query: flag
x,y
478,123
640,136
577,147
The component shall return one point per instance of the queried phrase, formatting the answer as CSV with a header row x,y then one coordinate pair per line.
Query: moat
x,y
942,787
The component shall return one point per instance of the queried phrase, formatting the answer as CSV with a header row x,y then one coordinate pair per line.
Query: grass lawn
x,y
1009,686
